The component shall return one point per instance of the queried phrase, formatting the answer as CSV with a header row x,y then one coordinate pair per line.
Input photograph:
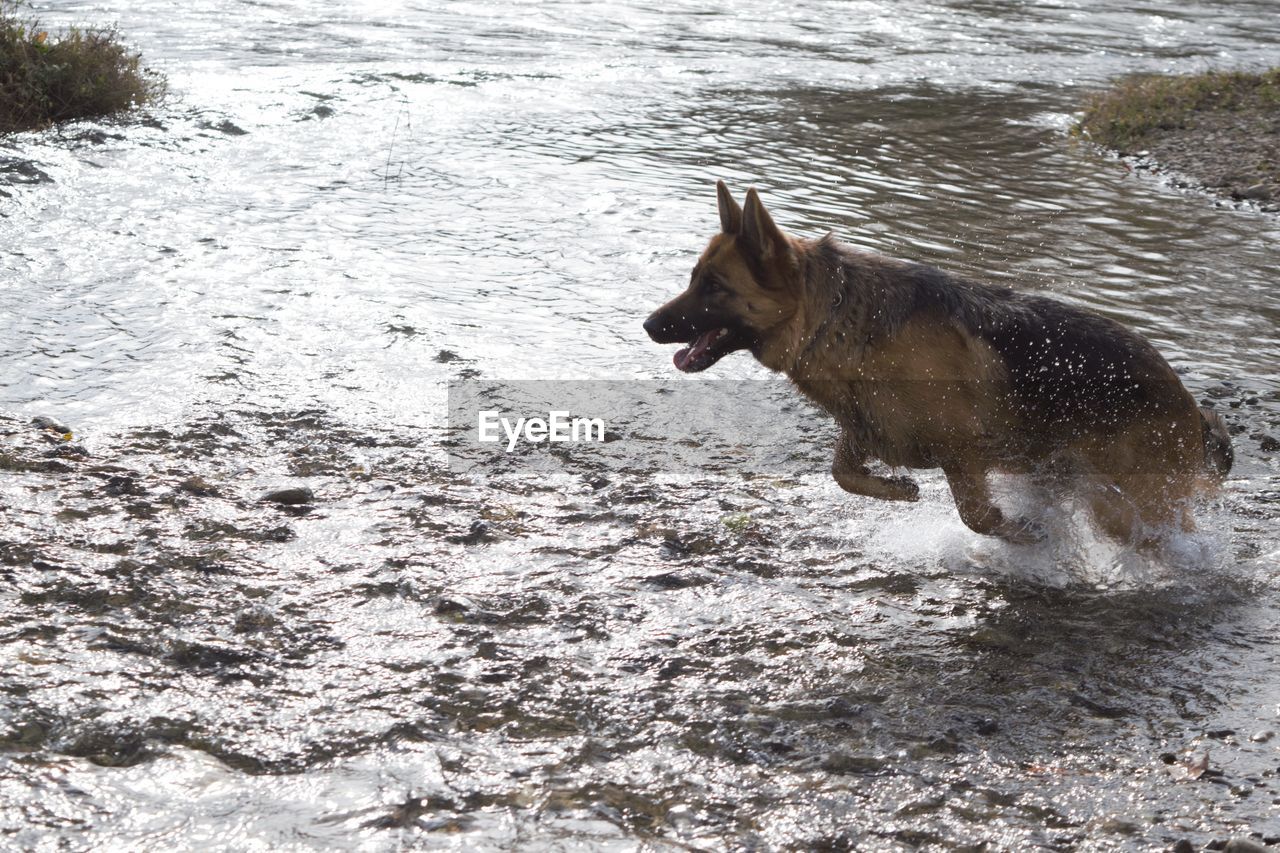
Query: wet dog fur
x,y
924,369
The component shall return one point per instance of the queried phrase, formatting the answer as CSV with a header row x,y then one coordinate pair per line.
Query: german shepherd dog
x,y
923,369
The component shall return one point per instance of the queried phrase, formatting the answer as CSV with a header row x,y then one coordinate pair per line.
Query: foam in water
x,y
1073,553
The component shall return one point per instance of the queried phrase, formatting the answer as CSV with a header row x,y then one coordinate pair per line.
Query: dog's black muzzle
x,y
664,330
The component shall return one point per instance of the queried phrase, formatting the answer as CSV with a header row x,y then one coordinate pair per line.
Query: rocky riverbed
x,y
307,623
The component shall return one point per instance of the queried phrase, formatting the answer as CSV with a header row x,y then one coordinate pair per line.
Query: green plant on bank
x,y
1126,114
81,73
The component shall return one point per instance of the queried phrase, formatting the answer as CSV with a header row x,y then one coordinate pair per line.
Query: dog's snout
x,y
655,326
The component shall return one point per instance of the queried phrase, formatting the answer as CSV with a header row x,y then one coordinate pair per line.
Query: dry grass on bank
x,y
80,73
1128,114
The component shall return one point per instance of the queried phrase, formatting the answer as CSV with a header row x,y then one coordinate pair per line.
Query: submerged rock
x,y
198,486
1244,845
66,451
123,484
453,605
480,532
292,496
1257,192
42,422
849,764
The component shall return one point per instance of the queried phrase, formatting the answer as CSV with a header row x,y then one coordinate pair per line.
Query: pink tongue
x,y
691,353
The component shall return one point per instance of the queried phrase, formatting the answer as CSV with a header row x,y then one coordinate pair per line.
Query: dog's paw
x,y
902,489
1023,531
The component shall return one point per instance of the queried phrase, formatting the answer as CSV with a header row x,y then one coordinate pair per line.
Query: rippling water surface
x,y
271,280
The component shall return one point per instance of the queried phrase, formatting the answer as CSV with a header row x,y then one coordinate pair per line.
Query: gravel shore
x,y
1219,131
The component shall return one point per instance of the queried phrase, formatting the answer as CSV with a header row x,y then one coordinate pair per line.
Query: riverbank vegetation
x,y
1138,107
48,77
1219,128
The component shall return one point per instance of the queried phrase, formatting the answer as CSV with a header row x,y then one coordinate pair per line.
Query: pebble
x,y
1257,192
1269,443
453,605
479,532
42,422
292,496
1244,845
841,707
123,485
198,486
66,451
844,763
1262,736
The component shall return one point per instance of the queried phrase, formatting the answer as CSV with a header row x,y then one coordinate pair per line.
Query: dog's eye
x,y
713,286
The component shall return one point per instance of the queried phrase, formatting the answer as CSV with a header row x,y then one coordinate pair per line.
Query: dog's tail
x,y
1218,455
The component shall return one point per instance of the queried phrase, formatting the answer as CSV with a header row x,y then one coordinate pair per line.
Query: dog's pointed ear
x,y
759,233
730,213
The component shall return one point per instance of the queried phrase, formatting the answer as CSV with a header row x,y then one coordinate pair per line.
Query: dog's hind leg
x,y
973,500
852,475
1136,510
1113,512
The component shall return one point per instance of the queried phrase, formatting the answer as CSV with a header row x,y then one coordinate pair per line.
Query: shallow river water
x,y
272,280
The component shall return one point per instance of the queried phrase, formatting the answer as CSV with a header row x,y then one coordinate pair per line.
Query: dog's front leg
x,y
851,473
973,500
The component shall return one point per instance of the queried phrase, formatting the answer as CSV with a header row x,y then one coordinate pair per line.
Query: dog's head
x,y
743,288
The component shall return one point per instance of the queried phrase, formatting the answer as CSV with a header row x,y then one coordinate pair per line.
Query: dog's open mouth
x,y
706,350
